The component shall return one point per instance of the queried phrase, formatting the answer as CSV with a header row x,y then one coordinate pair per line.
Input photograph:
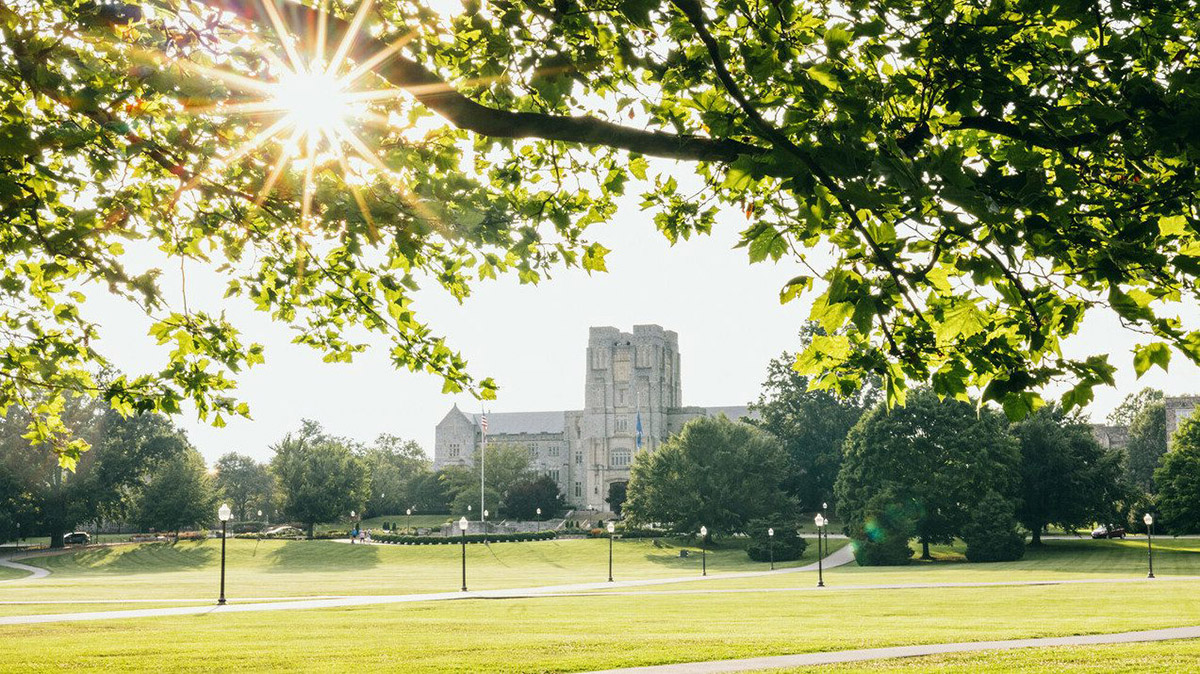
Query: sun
x,y
313,101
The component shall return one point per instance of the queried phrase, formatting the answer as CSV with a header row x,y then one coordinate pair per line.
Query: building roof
x,y
515,423
734,412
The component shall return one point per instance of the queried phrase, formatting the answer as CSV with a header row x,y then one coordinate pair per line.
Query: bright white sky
x,y
532,340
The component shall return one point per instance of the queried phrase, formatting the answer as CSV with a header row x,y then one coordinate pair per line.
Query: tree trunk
x,y
311,526
925,550
1036,541
57,531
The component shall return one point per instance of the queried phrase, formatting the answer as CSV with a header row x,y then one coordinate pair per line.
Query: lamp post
x,y
771,545
462,526
820,521
354,531
408,519
703,552
611,529
1149,520
539,520
485,527
223,514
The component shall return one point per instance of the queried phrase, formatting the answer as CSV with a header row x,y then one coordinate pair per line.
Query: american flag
x,y
483,422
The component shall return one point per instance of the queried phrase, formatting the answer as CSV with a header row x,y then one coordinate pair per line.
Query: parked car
x,y
1108,531
77,538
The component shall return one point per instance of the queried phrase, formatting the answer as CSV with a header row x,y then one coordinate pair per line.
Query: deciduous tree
x,y
1178,480
319,477
984,177
716,473
180,495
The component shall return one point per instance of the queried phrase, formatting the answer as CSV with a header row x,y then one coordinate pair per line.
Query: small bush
x,y
881,538
992,534
788,544
405,539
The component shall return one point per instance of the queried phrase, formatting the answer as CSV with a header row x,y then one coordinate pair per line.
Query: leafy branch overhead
x,y
966,183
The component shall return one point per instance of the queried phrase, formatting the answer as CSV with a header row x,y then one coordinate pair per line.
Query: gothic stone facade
x,y
1178,409
587,450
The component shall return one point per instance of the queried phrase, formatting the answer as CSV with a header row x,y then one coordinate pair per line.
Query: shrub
x,y
991,534
788,544
881,539
405,539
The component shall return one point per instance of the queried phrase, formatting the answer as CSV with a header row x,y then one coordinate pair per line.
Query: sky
x,y
532,340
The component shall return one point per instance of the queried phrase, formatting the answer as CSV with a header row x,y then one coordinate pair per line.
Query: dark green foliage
x,y
1178,480
788,544
811,424
524,498
505,467
319,478
882,529
245,484
992,534
180,496
456,539
1066,478
430,493
934,457
396,467
717,473
1147,445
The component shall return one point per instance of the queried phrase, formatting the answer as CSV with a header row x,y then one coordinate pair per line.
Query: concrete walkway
x,y
838,558
834,657
36,571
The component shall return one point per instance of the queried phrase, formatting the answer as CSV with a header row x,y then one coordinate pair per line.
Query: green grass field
x,y
684,622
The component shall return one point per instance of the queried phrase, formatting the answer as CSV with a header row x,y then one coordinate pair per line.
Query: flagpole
x,y
482,454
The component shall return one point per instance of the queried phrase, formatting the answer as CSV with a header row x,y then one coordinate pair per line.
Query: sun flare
x,y
314,101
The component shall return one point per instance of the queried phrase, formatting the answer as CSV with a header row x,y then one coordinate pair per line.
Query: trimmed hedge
x,y
404,539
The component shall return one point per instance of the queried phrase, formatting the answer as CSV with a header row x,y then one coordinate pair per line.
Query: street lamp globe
x,y
462,524
539,512
408,512
771,531
819,520
485,514
260,513
611,527
703,531
1148,519
352,513
224,513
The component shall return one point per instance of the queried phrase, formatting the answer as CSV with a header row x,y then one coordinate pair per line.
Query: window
x,y
622,424
553,474
578,489
455,449
553,451
578,460
533,452
620,457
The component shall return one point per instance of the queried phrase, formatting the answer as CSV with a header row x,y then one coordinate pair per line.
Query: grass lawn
x,y
581,633
190,569
1168,656
560,634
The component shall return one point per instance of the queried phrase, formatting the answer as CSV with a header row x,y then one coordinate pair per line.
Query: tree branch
x,y
433,92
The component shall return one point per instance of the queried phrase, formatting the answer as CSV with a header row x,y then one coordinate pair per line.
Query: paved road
x,y
834,657
36,571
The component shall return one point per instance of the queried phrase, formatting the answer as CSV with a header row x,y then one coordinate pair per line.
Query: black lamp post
x,y
703,552
485,527
539,520
820,522
611,529
771,545
462,526
1149,520
408,519
223,514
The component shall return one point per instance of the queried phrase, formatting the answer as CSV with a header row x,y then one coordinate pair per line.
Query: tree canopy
x,y
978,177
717,473
1066,478
935,459
1178,480
179,495
319,477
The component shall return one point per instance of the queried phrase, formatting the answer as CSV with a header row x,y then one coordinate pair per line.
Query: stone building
x,y
627,377
1178,408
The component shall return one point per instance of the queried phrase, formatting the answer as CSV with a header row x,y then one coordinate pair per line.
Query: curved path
x,y
839,557
36,572
860,655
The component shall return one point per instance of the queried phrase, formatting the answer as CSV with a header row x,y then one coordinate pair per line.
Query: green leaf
x,y
1146,355
1172,225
